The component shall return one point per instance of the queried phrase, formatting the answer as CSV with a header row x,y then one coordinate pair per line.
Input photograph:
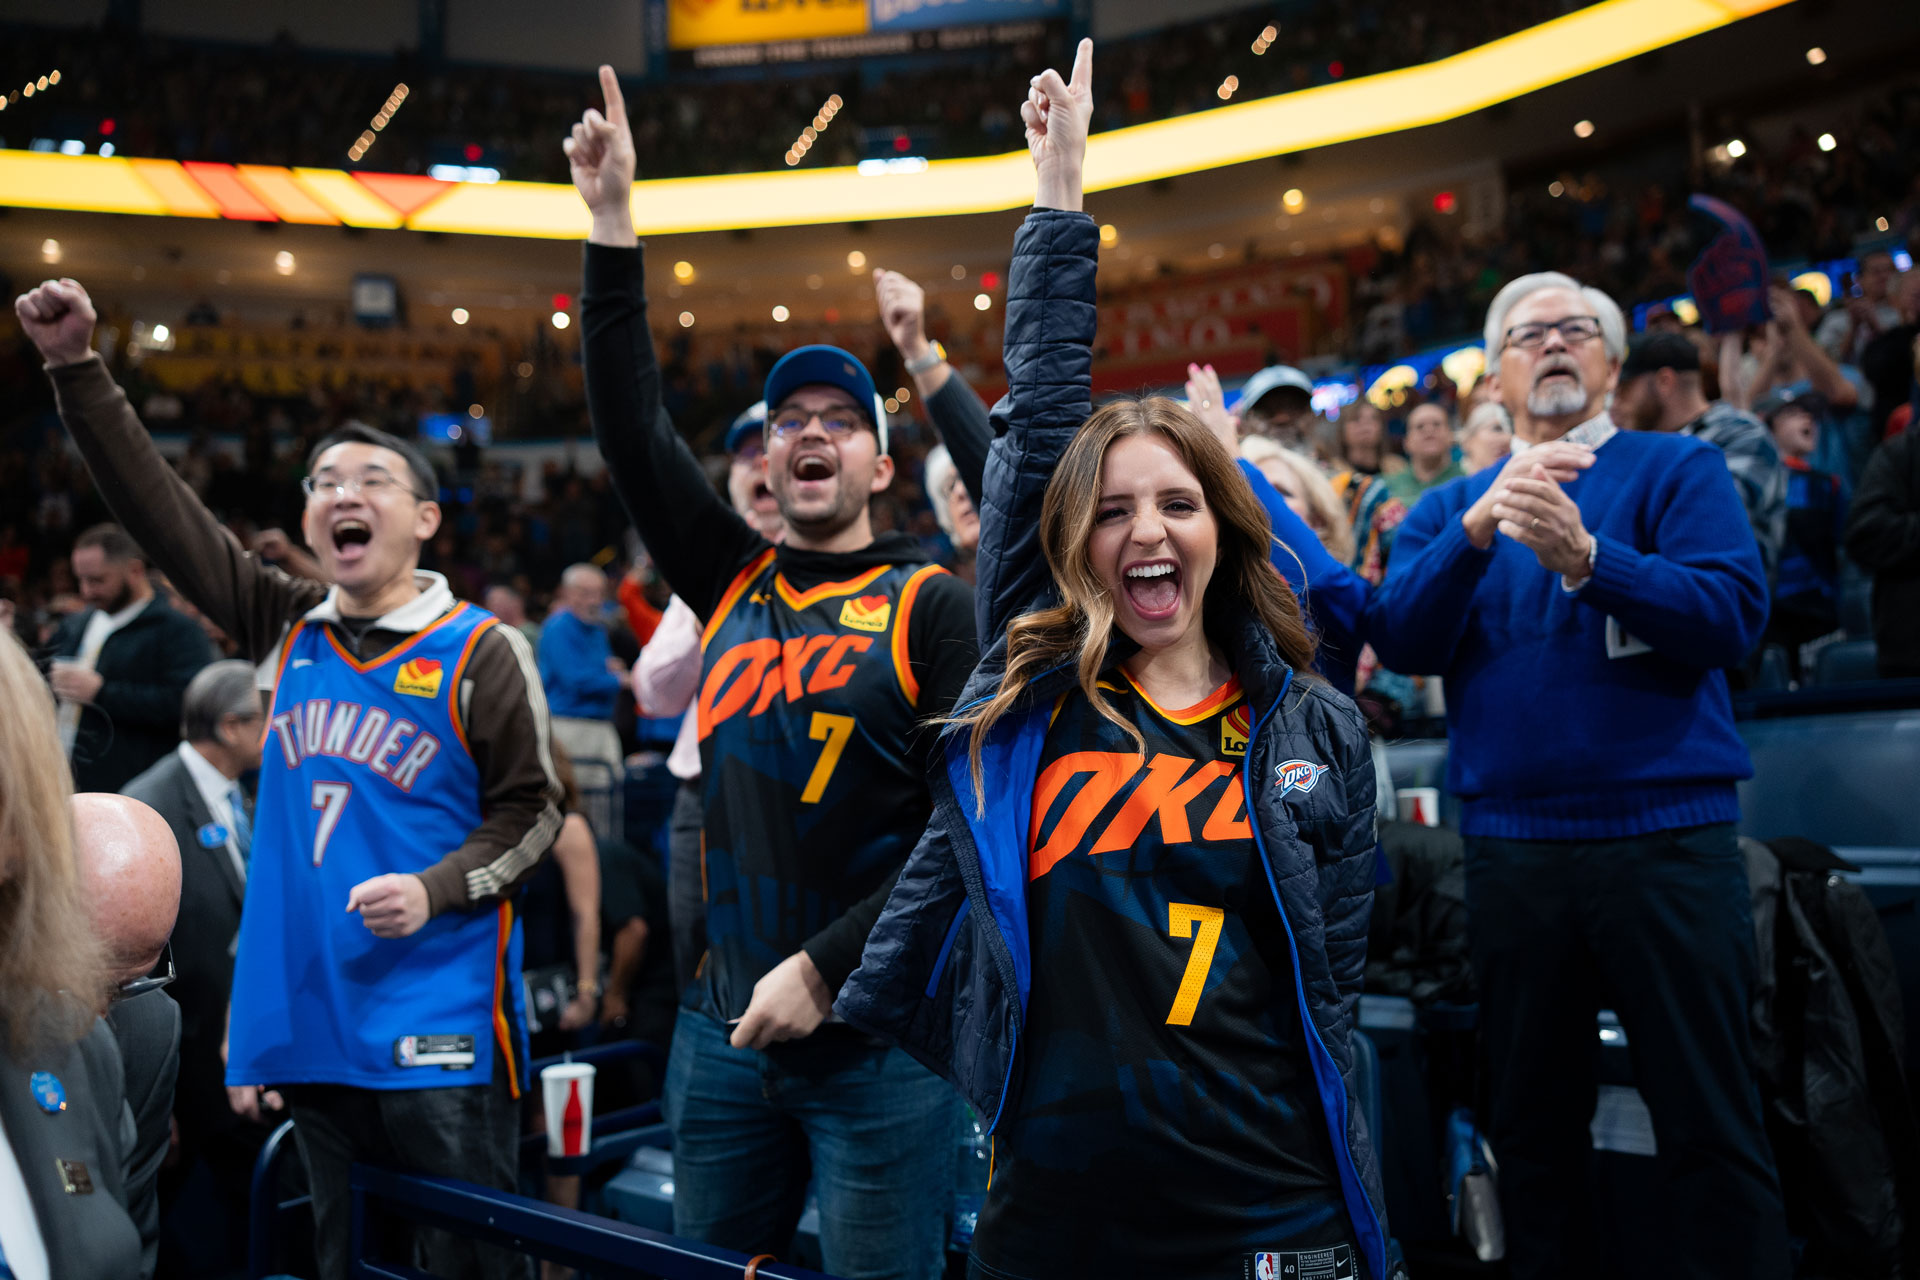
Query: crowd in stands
x,y
200,101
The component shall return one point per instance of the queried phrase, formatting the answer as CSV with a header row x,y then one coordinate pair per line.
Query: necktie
x,y
242,824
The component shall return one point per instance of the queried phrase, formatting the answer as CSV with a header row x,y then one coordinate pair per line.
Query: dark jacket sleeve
x,y
168,655
960,416
696,539
1051,320
147,1029
249,600
1416,617
941,653
1883,529
505,712
1334,596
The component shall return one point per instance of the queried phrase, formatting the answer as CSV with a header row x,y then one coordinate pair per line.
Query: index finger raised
x,y
616,101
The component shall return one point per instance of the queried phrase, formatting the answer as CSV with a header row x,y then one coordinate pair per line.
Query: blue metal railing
x,y
610,1250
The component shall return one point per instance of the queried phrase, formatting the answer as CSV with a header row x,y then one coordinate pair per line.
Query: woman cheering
x,y
1134,932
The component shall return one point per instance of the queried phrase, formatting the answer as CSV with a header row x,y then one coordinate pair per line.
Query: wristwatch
x,y
935,353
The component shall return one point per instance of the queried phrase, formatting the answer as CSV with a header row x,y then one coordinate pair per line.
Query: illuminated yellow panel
x,y
695,23
283,195
44,180
1600,35
350,202
183,197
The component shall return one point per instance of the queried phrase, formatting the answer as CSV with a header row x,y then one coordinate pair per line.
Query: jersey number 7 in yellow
x,y
836,730
1181,918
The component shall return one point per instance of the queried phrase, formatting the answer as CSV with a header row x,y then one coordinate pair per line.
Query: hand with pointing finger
x,y
391,906
601,158
1057,114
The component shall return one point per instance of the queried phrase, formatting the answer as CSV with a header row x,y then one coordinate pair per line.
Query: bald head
x,y
130,872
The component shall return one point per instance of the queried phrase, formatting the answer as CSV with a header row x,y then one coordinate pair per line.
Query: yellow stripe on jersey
x,y
734,591
1219,700
902,664
825,591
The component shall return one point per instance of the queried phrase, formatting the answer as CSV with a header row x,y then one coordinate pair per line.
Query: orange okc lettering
x,y
1170,785
759,671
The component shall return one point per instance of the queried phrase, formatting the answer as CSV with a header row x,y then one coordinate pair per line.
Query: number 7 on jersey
x,y
330,798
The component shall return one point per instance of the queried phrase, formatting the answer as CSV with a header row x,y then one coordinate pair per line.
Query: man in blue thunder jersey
x,y
377,976
822,658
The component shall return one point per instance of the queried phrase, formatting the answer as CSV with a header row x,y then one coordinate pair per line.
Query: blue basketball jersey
x,y
366,772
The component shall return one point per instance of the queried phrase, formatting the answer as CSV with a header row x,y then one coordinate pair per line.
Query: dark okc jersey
x,y
1166,1123
807,702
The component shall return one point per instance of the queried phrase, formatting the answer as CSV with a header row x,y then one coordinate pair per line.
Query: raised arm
x,y
957,411
247,599
1048,352
695,537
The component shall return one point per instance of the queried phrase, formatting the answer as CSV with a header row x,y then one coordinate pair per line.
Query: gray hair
x,y
1613,325
577,574
221,689
1487,416
940,472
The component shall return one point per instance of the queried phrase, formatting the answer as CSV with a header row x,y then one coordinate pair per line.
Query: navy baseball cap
x,y
824,366
751,424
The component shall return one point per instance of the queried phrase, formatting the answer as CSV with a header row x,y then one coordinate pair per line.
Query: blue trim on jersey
x,y
1326,1076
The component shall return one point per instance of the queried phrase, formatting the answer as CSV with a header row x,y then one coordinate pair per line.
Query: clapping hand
x,y
601,158
903,308
1553,464
1057,114
1536,512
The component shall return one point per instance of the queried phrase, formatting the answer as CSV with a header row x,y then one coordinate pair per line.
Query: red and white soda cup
x,y
568,1094
1418,804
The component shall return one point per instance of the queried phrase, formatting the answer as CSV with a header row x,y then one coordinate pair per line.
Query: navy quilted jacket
x,y
945,974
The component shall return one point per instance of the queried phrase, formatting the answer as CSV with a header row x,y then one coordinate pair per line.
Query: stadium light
x,y
856,260
982,302
811,134
1828,142
1816,56
1264,41
1294,200
459,315
1109,236
683,271
780,315
1583,129
283,263
960,273
1736,148
686,319
1228,87
381,119
561,319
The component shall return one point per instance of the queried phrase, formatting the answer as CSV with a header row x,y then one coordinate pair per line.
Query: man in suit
x,y
130,874
196,788
120,667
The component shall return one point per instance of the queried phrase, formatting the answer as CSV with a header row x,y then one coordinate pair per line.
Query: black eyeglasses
x,y
838,423
1573,330
153,981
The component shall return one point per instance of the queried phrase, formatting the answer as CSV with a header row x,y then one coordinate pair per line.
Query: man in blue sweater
x,y
582,678
1582,601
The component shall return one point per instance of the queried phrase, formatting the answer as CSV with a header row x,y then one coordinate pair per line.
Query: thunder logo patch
x,y
866,613
1297,775
419,677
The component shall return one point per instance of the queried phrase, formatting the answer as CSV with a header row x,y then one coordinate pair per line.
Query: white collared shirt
x,y
20,1239
216,789
100,628
1593,433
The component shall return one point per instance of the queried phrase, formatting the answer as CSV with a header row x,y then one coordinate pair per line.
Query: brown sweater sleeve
x,y
505,711
249,600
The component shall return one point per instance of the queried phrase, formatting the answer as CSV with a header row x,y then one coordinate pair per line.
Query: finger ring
x,y
1536,522
1206,404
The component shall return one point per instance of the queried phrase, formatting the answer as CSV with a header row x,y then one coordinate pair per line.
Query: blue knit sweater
x,y
1551,737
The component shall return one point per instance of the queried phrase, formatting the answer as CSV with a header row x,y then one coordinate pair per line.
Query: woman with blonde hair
x,y
1307,491
56,1055
1134,932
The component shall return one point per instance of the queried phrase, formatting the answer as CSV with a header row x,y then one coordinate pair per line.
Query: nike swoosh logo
x,y
303,662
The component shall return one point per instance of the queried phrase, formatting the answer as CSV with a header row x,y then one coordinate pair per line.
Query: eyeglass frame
x,y
1555,326
152,982
856,420
313,486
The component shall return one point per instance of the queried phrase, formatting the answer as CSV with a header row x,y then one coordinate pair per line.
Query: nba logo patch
x,y
1298,775
1234,729
1266,1266
419,677
867,613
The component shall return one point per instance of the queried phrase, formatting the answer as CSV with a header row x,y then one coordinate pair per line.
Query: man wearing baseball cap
x,y
822,658
1278,402
1660,390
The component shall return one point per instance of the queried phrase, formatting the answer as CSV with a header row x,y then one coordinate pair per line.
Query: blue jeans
x,y
874,1127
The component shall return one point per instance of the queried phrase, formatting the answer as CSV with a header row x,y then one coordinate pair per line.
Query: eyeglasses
x,y
153,981
373,485
838,423
1573,330
751,450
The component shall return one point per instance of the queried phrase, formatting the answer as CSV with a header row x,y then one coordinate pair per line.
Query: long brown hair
x,y
53,975
1080,628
